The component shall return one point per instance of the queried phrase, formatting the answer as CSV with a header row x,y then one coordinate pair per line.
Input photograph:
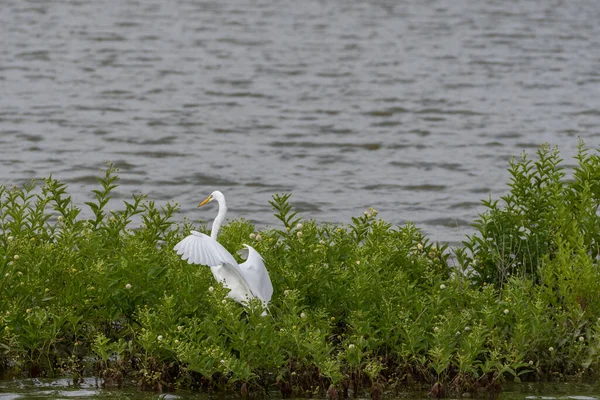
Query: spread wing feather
x,y
257,276
199,248
246,280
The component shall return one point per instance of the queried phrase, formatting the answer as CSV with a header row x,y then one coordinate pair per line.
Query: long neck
x,y
216,226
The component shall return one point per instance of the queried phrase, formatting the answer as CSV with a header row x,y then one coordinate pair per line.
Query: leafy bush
x,y
541,212
362,306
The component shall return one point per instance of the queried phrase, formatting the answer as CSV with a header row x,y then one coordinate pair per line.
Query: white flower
x,y
581,338
550,349
299,234
211,289
180,328
16,257
524,230
299,226
6,275
506,311
286,292
59,218
302,315
357,262
350,346
436,329
258,237
176,341
159,338
457,333
128,286
530,362
253,236
419,246
28,310
442,286
224,301
10,238
222,361
467,328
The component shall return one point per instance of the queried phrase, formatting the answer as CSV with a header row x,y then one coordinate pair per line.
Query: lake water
x,y
62,389
411,107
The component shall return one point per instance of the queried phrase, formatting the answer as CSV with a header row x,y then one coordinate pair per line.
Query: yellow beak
x,y
209,198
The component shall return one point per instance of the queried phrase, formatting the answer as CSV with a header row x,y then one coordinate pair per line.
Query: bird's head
x,y
216,195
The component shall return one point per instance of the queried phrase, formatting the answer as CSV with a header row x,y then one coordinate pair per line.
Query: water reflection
x,y
90,389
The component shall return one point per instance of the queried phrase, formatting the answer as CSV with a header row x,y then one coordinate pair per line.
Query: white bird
x,y
245,281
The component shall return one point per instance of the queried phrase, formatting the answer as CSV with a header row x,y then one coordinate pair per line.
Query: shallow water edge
x,y
90,388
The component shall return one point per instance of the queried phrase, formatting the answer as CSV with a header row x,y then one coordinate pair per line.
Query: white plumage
x,y
199,248
245,281
255,272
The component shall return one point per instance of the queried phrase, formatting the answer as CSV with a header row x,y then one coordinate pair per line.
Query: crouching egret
x,y
245,281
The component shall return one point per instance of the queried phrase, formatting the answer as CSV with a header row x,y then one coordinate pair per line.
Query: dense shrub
x,y
364,306
541,214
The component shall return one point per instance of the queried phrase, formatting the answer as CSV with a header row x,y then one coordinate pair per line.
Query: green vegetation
x,y
364,307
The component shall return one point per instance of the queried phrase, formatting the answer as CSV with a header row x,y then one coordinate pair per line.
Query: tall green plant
x,y
517,233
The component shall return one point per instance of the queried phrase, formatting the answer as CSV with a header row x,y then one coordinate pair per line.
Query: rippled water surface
x,y
411,107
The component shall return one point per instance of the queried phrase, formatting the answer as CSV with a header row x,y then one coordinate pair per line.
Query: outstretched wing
x,y
256,274
199,248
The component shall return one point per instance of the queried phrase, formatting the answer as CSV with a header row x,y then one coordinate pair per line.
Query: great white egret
x,y
245,281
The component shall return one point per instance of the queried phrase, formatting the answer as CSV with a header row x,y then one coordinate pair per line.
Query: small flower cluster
x,y
255,236
370,213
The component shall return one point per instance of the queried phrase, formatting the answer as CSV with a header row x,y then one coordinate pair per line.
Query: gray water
x,y
89,389
412,107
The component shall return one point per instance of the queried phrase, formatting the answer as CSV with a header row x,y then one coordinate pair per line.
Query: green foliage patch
x,y
364,306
